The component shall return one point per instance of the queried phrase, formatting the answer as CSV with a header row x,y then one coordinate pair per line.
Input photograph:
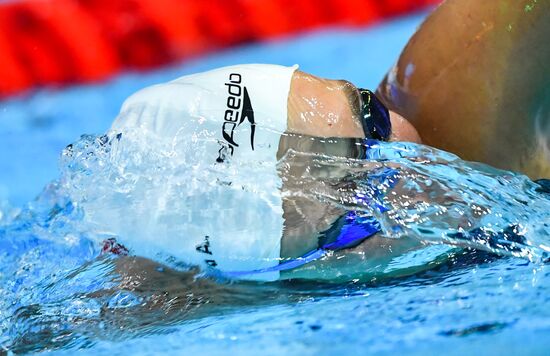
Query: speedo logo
x,y
238,110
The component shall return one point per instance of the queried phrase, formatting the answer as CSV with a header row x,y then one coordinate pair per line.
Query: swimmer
x,y
233,125
249,117
475,80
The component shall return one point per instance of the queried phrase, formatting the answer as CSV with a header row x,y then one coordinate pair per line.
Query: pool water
x,y
478,292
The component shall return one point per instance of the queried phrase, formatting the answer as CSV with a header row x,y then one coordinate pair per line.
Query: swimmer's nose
x,y
375,116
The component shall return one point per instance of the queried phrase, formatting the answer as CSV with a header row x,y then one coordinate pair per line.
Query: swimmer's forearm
x,y
474,79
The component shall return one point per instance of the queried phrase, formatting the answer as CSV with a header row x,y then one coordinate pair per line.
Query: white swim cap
x,y
234,101
225,127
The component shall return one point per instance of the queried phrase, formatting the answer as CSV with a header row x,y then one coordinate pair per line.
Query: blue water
x,y
479,292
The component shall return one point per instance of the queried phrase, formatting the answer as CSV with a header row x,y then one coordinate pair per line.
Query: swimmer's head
x,y
243,106
337,108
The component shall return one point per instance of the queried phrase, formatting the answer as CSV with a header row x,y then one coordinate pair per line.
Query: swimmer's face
x,y
331,108
322,108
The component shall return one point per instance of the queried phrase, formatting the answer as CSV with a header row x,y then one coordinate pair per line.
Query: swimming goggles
x,y
375,117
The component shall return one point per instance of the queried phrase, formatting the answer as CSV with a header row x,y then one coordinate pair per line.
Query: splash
x,y
438,198
56,292
412,190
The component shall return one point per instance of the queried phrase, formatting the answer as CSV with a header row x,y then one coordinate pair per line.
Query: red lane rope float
x,y
55,42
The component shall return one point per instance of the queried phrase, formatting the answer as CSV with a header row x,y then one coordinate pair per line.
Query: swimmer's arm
x,y
330,108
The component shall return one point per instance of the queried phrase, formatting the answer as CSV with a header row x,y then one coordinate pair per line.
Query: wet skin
x,y
475,80
331,108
